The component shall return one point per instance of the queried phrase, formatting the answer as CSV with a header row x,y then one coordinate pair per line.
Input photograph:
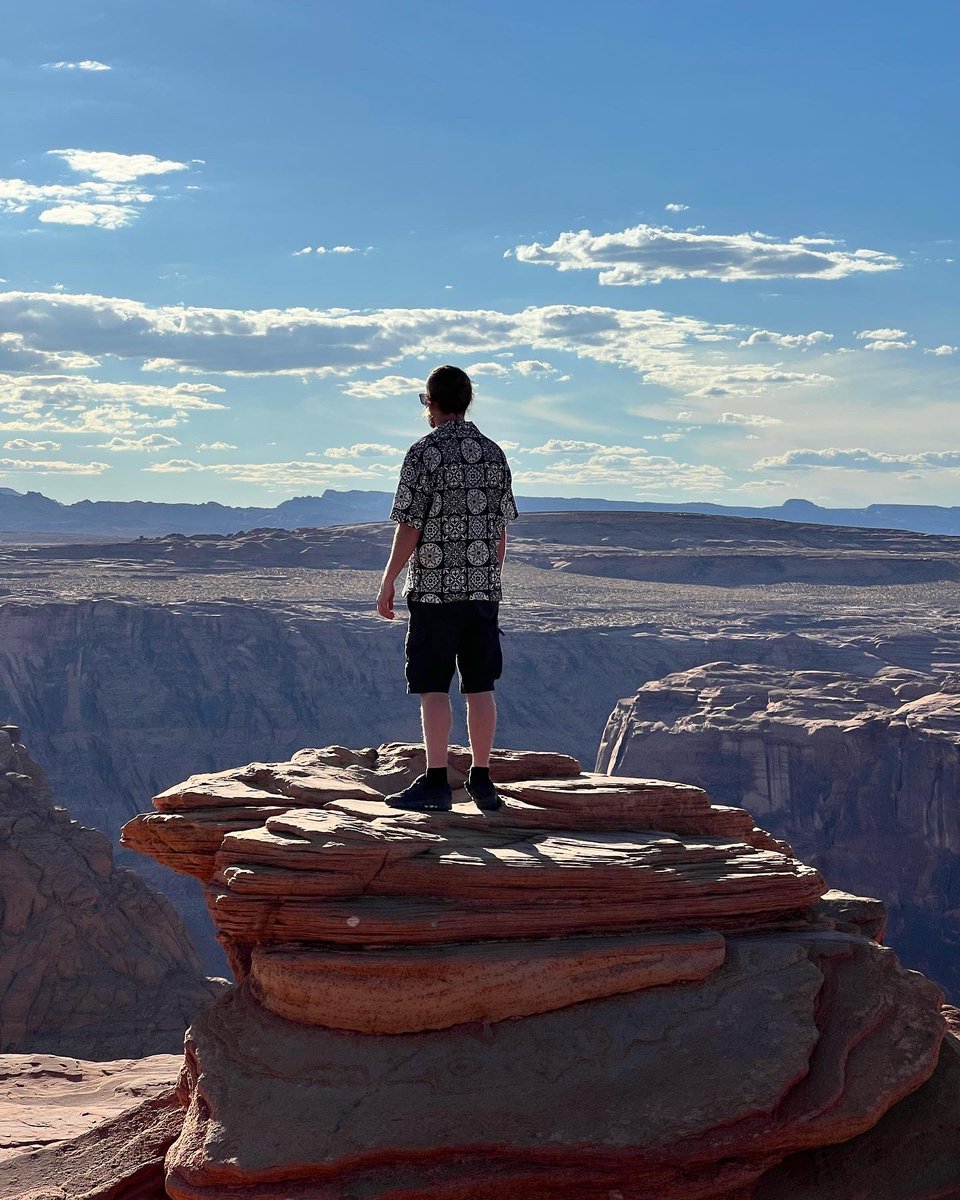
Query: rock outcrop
x,y
93,963
46,1099
860,775
610,987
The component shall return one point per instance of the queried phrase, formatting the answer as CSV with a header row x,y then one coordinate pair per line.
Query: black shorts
x,y
464,634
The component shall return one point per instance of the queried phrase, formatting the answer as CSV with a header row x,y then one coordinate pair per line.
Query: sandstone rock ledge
x,y
608,988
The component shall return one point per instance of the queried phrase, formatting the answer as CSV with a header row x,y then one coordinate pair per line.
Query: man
x,y
452,506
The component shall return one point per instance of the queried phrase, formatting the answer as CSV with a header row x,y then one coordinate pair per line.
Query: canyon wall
x,y
862,776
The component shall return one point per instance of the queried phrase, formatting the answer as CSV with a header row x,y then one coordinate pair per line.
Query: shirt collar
x,y
450,428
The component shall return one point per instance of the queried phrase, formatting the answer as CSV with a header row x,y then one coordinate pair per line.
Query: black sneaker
x,y
484,795
423,796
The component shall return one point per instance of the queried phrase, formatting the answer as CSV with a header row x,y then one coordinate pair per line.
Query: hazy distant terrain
x,y
35,517
132,666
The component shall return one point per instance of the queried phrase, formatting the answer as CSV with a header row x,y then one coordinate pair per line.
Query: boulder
x,y
608,988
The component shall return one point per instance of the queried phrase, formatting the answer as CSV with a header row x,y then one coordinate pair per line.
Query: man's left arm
x,y
502,547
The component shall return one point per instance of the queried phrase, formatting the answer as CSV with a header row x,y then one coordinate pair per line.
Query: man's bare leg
x,y
481,725
437,719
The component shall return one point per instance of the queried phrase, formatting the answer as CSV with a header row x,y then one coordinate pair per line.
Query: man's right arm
x,y
405,539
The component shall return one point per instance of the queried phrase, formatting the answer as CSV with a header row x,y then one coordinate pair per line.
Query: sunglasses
x,y
424,398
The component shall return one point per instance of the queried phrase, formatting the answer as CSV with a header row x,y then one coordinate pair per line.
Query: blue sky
x,y
687,250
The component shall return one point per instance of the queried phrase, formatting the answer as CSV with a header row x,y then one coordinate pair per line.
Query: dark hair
x,y
450,389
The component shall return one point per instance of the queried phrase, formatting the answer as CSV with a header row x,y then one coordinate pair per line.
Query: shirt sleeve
x,y
411,504
508,506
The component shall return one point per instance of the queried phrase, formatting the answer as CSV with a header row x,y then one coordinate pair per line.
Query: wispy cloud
x,y
110,199
790,341
85,64
150,442
331,250
112,167
361,450
280,476
649,254
216,446
642,474
858,459
384,387
26,444
51,467
56,403
674,207
942,350
736,418
886,339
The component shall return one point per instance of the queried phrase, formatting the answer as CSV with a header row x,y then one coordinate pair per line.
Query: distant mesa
x,y
33,515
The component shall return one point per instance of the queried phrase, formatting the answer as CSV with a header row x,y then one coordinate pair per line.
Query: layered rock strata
x,y
609,987
860,775
93,963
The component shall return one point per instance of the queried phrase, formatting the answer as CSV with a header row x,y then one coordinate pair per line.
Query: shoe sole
x,y
440,806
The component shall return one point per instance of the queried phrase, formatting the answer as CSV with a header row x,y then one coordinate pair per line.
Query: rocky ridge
x,y
860,775
93,963
481,1005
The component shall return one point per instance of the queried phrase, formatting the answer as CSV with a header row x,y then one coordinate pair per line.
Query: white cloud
x,y
26,444
564,446
387,385
175,466
487,368
56,403
676,207
110,199
303,250
858,459
149,442
642,474
112,167
106,216
216,446
649,254
790,341
735,418
280,476
48,467
944,349
681,353
16,355
886,339
338,250
85,64
534,367
361,450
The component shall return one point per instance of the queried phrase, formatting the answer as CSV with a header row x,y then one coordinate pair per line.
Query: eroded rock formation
x,y
610,987
93,963
862,776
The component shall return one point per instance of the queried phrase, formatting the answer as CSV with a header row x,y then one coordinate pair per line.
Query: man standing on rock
x,y
452,506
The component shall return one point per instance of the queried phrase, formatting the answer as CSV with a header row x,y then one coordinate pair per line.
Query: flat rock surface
x,y
46,1099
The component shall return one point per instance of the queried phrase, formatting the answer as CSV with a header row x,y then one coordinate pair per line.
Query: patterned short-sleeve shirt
x,y
455,487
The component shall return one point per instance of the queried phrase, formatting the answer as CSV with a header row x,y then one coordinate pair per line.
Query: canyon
x,y
132,665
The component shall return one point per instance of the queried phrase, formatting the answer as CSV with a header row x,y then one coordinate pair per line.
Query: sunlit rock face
x,y
862,776
610,986
93,963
